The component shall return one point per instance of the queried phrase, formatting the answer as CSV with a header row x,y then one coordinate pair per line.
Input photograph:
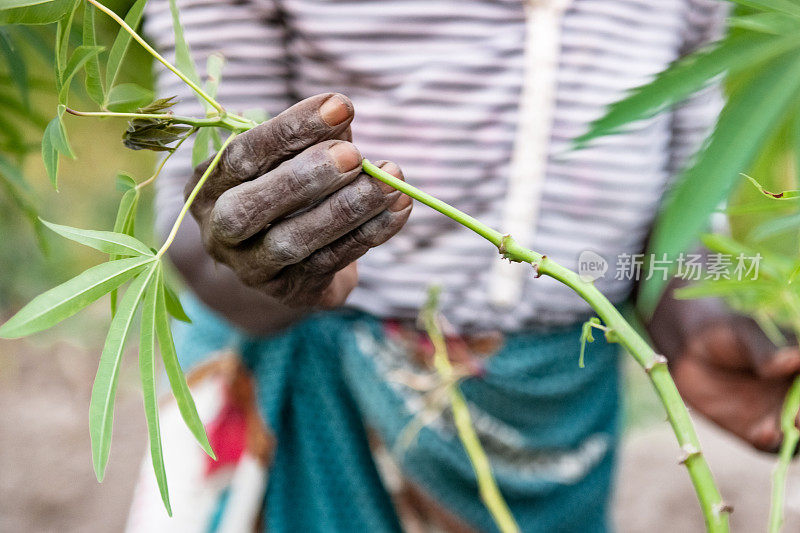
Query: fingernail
x,y
345,156
392,169
400,204
334,110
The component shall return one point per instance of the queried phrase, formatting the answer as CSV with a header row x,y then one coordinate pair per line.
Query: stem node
x,y
658,360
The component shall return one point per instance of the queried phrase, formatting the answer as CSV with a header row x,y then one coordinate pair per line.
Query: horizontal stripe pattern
x,y
436,87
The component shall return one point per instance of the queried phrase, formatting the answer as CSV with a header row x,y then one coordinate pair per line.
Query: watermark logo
x,y
691,267
591,266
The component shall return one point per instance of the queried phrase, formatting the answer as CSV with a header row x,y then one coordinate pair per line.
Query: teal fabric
x,y
549,427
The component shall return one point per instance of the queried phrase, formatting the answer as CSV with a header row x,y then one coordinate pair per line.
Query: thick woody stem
x,y
715,511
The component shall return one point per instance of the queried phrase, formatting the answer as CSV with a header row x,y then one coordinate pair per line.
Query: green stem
x,y
229,122
487,485
158,56
163,162
715,511
791,436
188,203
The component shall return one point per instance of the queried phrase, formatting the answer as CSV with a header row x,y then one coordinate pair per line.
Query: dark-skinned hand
x,y
289,210
731,373
724,365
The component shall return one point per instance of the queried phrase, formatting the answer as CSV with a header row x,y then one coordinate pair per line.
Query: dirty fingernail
x,y
334,110
345,156
400,204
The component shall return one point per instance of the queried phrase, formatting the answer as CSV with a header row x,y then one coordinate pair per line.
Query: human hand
x,y
289,210
731,373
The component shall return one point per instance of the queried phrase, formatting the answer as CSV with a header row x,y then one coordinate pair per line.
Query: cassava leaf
x,y
104,390
106,241
77,60
34,11
774,23
65,300
123,39
125,223
788,7
214,66
776,226
13,173
201,148
716,289
175,375
147,372
685,77
93,82
14,4
749,116
183,55
174,305
128,97
783,195
54,142
63,29
124,183
17,68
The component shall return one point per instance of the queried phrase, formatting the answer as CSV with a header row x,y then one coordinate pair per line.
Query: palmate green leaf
x,y
776,226
104,390
774,23
177,380
201,148
214,66
125,221
63,29
16,67
183,55
124,183
722,288
128,97
783,195
147,372
34,11
61,302
174,305
13,173
751,113
93,82
788,7
687,76
13,4
123,39
77,60
54,142
108,242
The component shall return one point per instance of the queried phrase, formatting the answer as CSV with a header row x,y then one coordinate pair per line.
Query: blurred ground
x,y
47,483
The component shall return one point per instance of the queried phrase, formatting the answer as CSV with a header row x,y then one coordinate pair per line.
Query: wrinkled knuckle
x,y
231,216
300,180
284,251
286,135
365,236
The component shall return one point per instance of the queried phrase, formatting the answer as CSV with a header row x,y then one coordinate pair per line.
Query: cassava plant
x,y
153,126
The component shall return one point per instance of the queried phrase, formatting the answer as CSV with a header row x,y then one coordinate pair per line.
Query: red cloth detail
x,y
227,434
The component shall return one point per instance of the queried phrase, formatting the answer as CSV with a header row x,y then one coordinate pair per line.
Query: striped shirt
x,y
436,86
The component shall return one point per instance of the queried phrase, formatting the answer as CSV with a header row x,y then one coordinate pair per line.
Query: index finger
x,y
255,152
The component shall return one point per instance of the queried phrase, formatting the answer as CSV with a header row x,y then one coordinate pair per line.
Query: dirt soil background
x,y
47,483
